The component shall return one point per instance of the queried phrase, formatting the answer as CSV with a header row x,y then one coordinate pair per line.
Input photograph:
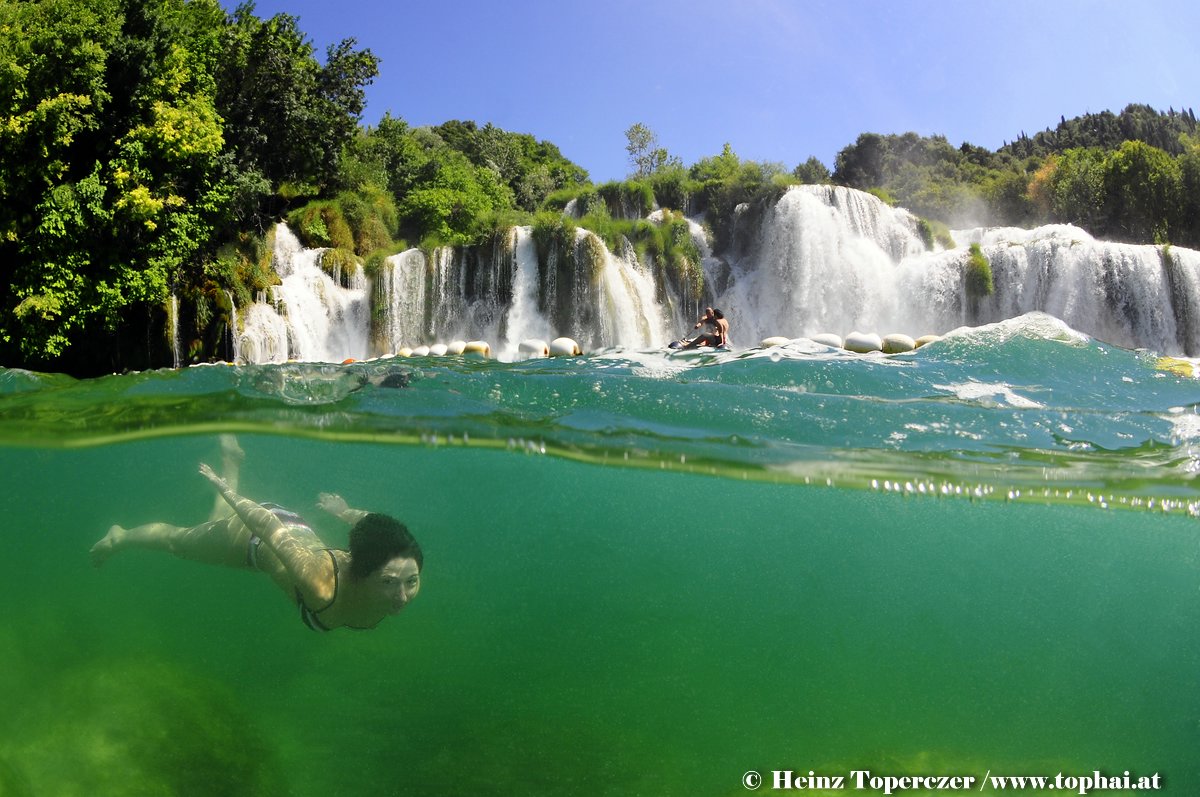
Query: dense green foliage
x,y
136,138
1129,177
1107,130
147,147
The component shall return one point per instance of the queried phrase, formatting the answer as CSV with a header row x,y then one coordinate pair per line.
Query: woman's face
x,y
398,582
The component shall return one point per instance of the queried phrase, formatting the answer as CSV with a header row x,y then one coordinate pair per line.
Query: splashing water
x,y
822,259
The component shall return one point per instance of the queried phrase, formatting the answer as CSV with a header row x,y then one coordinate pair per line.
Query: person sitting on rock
x,y
717,336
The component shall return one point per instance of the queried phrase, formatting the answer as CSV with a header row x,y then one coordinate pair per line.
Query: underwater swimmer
x,y
333,588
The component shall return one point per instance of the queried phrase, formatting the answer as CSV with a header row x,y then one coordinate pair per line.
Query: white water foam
x,y
524,320
324,322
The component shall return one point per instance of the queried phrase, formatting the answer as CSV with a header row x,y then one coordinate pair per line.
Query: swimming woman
x,y
333,588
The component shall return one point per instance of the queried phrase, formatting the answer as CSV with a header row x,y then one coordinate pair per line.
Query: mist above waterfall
x,y
821,259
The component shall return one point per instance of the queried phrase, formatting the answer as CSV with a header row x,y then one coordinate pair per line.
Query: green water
x,y
586,630
644,574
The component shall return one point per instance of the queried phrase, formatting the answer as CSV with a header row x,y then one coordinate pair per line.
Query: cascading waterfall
x,y
825,262
1119,293
232,328
823,259
446,299
835,260
264,334
311,316
524,319
401,289
628,313
173,325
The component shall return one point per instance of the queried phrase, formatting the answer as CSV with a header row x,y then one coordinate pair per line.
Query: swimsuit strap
x,y
309,616
252,551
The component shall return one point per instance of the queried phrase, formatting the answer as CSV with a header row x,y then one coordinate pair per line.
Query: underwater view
x,y
645,573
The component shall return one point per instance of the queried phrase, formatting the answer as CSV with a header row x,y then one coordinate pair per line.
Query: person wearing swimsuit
x,y
718,334
333,588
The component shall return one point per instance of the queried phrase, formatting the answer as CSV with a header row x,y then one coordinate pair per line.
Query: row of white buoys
x,y
862,342
527,349
533,348
478,348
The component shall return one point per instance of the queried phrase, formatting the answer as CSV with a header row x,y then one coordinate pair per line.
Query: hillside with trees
x,y
1133,176
148,147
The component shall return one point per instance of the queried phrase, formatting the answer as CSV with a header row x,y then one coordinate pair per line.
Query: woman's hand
x,y
332,503
208,473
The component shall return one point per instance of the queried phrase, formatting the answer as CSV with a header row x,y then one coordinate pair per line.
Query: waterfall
x,y
173,327
831,259
446,299
401,291
1119,293
311,316
232,328
264,334
822,259
524,319
825,261
627,313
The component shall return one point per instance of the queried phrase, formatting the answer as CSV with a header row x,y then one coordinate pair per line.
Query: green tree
x,y
112,144
289,116
1142,187
1077,192
812,171
645,155
450,199
136,136
1187,217
532,169
860,165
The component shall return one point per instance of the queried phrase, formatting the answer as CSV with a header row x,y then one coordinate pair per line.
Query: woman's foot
x,y
108,545
231,452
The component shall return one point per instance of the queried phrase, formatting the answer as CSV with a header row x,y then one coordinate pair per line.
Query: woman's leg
x,y
217,542
232,456
221,541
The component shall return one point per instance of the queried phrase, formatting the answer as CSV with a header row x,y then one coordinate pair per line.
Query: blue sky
x,y
779,80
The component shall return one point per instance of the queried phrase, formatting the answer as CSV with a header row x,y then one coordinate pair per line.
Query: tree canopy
x,y
1125,176
148,146
136,134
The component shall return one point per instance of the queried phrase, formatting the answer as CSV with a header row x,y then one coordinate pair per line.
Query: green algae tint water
x,y
644,574
586,629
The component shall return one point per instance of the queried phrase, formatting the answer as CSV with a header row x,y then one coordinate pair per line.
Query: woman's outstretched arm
x,y
298,549
335,505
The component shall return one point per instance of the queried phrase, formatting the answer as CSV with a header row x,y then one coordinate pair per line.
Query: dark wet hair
x,y
376,540
396,379
718,313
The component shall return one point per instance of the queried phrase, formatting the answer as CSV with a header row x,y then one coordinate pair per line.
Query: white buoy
x,y
533,347
456,347
404,351
921,341
478,348
773,341
897,343
862,342
828,339
564,347
438,350
421,351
